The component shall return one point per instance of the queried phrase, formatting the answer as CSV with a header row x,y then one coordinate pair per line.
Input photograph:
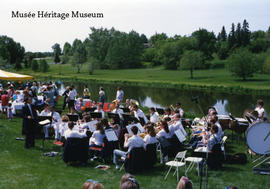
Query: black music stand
x,y
73,117
129,118
115,116
90,109
160,111
126,110
96,114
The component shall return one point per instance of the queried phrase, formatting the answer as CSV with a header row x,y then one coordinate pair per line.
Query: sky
x,y
180,17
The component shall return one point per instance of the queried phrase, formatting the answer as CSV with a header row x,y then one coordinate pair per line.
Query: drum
x,y
258,138
224,121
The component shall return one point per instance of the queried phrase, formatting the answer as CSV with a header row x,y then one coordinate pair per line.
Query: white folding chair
x,y
178,161
222,143
193,161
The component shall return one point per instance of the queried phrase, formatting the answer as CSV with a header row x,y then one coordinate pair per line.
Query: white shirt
x,y
139,114
214,139
154,117
220,132
63,128
97,138
45,113
56,116
73,134
134,142
72,94
181,112
101,93
120,95
149,140
102,112
261,113
163,133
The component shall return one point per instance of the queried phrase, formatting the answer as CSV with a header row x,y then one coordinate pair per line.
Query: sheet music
x,y
44,122
91,125
138,125
110,134
181,137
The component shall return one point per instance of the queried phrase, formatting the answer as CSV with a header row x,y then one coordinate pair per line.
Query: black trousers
x,y
30,134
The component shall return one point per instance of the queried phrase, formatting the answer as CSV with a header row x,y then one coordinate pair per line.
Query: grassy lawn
x,y
213,79
21,168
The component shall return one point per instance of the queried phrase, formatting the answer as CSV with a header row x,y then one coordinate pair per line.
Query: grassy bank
x,y
215,79
27,169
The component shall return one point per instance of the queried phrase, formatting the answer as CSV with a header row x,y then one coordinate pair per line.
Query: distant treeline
x,y
113,49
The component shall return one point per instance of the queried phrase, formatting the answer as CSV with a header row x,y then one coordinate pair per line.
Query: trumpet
x,y
172,107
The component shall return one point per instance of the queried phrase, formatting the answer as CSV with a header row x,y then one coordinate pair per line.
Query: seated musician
x,y
133,142
99,109
138,113
215,120
213,139
150,137
63,125
46,111
56,120
79,105
116,127
97,137
86,121
181,111
177,124
71,133
167,113
153,115
260,109
164,132
118,110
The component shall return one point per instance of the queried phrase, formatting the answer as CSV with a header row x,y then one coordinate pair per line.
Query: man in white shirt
x,y
56,120
133,142
181,111
119,94
153,115
99,109
70,133
177,124
139,114
71,99
46,111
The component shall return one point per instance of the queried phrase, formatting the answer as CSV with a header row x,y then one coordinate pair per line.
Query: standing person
x,y
119,94
179,107
101,96
9,111
86,92
4,101
29,123
65,95
260,109
71,99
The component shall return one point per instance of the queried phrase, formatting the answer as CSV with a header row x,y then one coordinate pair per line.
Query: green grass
x,y
27,169
212,79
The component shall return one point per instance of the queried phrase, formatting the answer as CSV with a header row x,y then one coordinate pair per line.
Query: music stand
x,y
73,117
126,110
160,111
129,118
95,114
90,109
115,116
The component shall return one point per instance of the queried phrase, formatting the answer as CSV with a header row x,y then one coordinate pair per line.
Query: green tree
x,y
3,63
44,67
65,59
79,57
206,42
67,49
222,36
238,35
157,37
191,60
241,63
18,66
223,50
144,38
231,38
245,33
56,52
92,65
34,65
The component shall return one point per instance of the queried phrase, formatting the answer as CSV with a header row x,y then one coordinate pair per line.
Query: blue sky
x,y
144,16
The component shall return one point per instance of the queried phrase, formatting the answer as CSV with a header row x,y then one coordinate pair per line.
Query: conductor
x,y
29,123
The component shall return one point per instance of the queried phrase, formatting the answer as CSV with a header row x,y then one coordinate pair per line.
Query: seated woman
x,y
150,137
97,137
92,184
153,115
164,132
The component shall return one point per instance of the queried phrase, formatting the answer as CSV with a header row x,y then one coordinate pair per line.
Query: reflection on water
x,y
162,97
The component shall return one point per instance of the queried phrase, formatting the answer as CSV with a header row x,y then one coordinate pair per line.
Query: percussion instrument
x,y
224,121
258,138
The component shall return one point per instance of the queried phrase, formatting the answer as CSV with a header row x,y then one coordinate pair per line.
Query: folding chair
x,y
106,106
178,161
87,104
192,161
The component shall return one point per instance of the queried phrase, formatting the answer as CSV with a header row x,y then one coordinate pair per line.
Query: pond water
x,y
162,97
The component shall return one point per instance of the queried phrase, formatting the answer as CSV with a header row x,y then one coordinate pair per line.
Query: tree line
x,y
243,52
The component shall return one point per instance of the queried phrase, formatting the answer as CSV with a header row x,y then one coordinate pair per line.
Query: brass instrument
x,y
172,107
133,102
